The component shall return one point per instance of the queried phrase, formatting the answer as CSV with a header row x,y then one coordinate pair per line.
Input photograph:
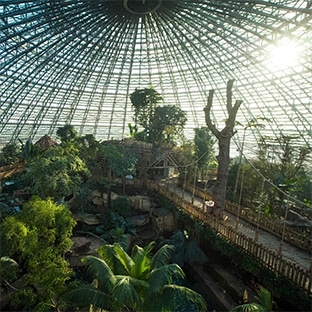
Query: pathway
x,y
288,251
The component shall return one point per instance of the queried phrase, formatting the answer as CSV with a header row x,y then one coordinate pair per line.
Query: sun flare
x,y
283,55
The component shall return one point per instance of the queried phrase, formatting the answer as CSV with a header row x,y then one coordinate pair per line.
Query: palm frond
x,y
124,259
264,299
180,298
142,262
126,294
101,271
163,256
163,275
85,295
108,252
248,307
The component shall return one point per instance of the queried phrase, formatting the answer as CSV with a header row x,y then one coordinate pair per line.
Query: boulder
x,y
139,220
96,198
296,219
83,246
113,196
87,218
140,202
164,220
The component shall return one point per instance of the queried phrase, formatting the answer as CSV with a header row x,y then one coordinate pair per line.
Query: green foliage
x,y
10,153
257,191
204,142
29,150
140,282
9,270
37,239
121,205
116,229
161,124
119,162
186,250
167,124
286,170
57,172
264,303
144,102
66,133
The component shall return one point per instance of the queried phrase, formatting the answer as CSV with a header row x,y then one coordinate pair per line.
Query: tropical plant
x,y
55,173
161,124
167,124
37,239
29,150
144,102
140,282
116,229
67,133
116,163
285,161
9,270
186,249
10,153
264,303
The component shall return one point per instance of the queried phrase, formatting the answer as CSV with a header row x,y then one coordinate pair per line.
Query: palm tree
x,y
186,249
264,303
140,282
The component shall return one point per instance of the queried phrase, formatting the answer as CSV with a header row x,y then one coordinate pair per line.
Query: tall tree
x,y
161,124
224,139
144,102
56,172
285,161
67,133
140,282
167,124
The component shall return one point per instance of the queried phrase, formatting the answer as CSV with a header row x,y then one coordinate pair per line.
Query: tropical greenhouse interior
x,y
192,118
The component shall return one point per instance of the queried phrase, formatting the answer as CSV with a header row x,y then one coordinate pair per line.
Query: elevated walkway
x,y
281,257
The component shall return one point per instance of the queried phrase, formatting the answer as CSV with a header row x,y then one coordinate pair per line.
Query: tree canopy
x,y
160,124
37,239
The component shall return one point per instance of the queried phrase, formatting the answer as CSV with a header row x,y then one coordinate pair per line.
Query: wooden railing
x,y
291,271
297,239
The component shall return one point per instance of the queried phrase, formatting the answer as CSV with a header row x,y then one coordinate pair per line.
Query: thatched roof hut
x,y
46,142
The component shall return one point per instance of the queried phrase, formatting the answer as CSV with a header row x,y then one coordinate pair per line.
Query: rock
x,y
296,219
140,202
96,198
139,220
87,218
164,220
83,246
113,196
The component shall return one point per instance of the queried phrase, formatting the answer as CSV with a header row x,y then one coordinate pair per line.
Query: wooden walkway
x,y
280,257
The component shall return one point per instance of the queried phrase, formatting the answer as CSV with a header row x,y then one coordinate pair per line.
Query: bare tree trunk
x,y
224,138
219,191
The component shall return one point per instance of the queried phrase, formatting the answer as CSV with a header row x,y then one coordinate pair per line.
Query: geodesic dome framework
x,y
77,62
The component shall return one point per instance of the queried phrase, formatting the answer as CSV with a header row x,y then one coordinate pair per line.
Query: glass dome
x,y
77,62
